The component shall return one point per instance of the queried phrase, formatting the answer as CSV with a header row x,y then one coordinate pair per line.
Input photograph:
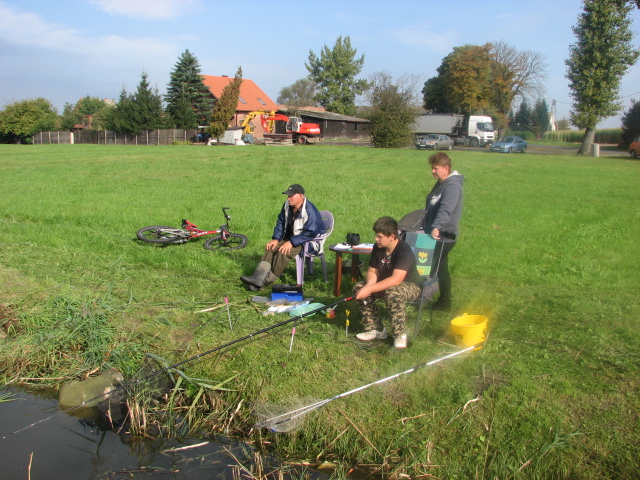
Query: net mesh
x,y
285,416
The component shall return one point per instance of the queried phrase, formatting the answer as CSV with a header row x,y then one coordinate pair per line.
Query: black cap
x,y
293,189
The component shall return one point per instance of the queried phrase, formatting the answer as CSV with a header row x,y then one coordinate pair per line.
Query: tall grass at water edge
x,y
548,251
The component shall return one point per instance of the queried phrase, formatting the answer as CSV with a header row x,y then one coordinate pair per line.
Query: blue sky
x,y
65,49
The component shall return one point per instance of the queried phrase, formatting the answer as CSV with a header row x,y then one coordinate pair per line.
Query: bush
x,y
611,136
525,134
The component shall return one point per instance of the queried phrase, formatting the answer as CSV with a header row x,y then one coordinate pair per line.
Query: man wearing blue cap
x,y
298,222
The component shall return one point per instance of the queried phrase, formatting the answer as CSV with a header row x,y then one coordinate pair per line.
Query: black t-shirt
x,y
401,258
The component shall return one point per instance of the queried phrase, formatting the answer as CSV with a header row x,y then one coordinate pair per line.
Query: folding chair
x,y
424,247
314,248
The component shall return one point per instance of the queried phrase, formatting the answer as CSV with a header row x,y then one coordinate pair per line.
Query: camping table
x,y
339,249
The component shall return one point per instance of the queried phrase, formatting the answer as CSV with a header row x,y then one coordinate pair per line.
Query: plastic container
x,y
469,330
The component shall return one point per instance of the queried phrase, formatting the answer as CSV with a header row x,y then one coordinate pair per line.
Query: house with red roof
x,y
252,98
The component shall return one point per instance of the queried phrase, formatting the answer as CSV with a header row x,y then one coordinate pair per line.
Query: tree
x,y
147,106
563,124
19,121
486,79
540,117
300,93
597,61
186,83
630,124
392,114
226,106
335,76
522,119
515,75
74,114
137,112
184,115
462,84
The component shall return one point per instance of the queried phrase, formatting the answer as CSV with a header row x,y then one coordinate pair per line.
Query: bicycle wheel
x,y
163,234
234,241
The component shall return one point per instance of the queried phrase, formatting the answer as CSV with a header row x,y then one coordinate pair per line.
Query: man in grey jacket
x,y
442,216
298,222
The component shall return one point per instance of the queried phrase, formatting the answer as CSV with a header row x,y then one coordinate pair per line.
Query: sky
x,y
63,50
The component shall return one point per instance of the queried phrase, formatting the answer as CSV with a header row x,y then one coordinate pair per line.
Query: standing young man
x,y
392,276
443,210
298,222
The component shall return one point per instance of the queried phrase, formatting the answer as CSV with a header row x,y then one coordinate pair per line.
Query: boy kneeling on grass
x,y
392,276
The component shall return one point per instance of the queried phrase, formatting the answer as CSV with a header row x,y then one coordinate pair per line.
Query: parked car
x,y
634,148
434,142
509,144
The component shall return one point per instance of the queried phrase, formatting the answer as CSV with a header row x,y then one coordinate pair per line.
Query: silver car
x,y
509,144
434,141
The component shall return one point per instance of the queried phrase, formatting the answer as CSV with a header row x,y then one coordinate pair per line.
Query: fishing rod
x,y
286,422
178,364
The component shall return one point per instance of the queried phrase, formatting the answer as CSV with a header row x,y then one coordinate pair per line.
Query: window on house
x,y
260,100
355,127
242,100
344,126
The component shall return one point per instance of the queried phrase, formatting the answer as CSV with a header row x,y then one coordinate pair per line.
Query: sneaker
x,y
401,341
372,335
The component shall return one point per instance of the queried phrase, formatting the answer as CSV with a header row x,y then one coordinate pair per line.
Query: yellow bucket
x,y
469,330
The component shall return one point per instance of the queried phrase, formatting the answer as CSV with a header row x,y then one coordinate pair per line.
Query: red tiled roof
x,y
249,92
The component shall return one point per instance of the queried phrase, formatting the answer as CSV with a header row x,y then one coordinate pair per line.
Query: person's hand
x,y
286,247
271,245
363,293
435,233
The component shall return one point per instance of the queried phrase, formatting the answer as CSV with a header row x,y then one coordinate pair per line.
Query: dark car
x,y
509,144
434,141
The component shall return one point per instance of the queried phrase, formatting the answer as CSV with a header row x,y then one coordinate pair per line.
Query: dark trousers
x,y
443,267
277,260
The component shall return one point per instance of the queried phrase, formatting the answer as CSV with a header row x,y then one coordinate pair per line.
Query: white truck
x,y
472,130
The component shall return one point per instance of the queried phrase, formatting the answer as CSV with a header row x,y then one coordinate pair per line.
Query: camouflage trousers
x,y
396,299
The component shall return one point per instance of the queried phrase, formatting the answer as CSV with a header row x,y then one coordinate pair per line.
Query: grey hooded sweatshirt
x,y
444,207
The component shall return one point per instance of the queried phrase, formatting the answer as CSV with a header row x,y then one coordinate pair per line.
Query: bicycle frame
x,y
196,232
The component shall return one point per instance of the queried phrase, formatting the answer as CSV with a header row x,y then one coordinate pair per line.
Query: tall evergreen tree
x,y
597,61
186,83
147,102
334,73
522,118
136,112
226,106
184,116
540,117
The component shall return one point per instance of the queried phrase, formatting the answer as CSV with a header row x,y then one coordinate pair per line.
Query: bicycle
x,y
224,239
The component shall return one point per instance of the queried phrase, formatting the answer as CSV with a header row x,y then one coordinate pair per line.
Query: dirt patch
x,y
7,319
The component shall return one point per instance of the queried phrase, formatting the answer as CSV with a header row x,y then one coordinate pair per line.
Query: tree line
x,y
493,79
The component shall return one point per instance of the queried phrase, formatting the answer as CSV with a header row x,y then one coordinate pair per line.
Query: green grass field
x,y
548,252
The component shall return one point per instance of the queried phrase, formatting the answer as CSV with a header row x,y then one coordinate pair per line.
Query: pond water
x,y
68,448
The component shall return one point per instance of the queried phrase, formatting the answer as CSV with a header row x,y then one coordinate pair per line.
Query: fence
x,y
111,137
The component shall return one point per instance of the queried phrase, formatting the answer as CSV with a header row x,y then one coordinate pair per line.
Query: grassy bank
x,y
548,252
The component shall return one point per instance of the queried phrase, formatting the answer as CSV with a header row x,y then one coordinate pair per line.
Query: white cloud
x,y
147,9
28,29
421,37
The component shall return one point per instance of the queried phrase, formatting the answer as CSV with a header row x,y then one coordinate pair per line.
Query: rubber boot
x,y
443,304
257,279
271,278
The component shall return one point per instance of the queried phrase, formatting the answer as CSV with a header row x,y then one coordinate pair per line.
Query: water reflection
x,y
70,448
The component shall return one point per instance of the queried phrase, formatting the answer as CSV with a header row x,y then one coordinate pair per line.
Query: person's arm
x,y
396,278
450,198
